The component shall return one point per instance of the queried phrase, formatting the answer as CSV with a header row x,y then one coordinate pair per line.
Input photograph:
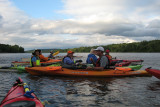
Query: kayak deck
x,y
85,72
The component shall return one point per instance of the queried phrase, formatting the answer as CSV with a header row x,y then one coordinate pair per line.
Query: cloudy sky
x,y
73,23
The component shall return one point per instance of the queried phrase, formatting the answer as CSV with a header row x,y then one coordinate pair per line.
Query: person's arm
x,y
42,58
94,63
103,63
68,61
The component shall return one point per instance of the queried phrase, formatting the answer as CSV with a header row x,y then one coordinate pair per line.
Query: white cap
x,y
100,49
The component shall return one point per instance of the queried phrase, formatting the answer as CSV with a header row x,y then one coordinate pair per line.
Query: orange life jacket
x,y
109,59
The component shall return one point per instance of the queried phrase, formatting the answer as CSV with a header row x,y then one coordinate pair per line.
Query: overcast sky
x,y
41,24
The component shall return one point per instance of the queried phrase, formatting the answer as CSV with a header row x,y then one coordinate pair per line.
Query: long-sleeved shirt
x,y
88,61
42,58
68,60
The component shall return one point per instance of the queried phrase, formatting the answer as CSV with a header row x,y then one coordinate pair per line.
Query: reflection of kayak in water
x,y
20,96
154,72
16,63
54,71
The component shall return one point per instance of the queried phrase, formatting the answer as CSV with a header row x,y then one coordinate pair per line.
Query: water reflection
x,y
75,91
155,86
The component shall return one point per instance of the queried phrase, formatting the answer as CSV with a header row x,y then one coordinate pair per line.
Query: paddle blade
x,y
56,53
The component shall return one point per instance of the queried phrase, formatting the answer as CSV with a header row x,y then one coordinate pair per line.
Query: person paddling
x,y
51,55
35,61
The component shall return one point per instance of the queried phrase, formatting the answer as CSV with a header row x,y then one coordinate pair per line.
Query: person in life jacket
x,y
102,62
108,56
68,61
51,55
35,61
92,59
42,58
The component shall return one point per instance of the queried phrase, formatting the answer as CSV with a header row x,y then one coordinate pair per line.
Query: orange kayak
x,y
16,63
84,72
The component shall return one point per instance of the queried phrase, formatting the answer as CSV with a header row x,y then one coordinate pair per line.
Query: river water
x,y
90,92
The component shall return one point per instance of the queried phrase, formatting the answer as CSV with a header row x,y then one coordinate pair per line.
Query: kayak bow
x,y
154,72
20,96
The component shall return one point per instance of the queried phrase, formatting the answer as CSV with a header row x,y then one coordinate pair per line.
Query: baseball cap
x,y
70,52
99,49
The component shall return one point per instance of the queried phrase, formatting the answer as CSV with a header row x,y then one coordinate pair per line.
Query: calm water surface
x,y
102,92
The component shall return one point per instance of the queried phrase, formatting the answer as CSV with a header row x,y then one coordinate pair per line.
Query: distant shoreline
x,y
88,52
152,46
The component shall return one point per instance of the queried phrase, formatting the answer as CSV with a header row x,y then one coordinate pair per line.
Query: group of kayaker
x,y
92,61
102,62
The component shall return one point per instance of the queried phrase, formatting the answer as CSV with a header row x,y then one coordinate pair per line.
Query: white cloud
x,y
111,9
94,22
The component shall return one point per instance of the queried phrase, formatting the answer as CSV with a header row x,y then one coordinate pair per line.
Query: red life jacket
x,y
98,62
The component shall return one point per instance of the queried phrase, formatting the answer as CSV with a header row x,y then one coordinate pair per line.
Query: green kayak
x,y
134,67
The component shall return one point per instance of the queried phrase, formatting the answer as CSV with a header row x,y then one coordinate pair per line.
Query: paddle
x,y
56,53
5,67
10,67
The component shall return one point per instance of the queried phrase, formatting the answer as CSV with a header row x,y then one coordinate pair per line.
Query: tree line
x,y
144,46
5,48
